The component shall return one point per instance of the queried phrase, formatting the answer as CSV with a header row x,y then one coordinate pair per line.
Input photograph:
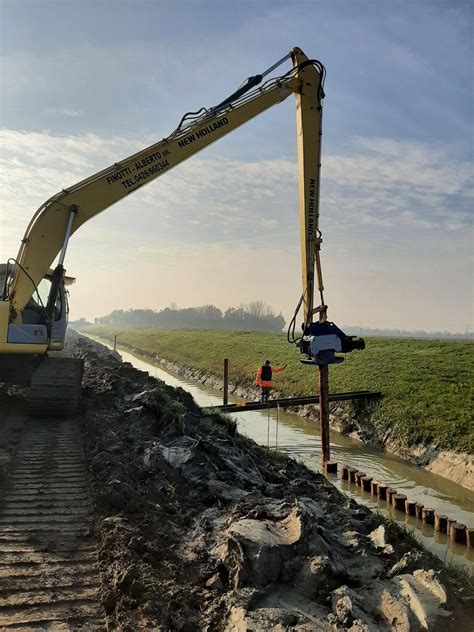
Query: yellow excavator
x,y
33,297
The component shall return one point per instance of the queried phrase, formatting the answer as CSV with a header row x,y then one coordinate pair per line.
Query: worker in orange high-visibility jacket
x,y
264,379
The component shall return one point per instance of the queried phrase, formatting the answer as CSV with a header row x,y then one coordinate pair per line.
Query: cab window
x,y
44,288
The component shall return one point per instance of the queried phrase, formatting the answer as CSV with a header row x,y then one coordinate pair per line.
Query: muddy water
x,y
300,439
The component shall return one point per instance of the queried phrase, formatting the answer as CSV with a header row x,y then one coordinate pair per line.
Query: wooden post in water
x,y
458,533
451,521
470,537
398,501
115,343
324,413
226,381
427,515
441,523
366,482
390,494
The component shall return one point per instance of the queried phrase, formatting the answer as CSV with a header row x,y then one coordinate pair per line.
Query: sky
x,y
85,84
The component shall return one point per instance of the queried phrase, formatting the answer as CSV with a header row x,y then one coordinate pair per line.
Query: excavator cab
x,y
58,323
36,327
55,382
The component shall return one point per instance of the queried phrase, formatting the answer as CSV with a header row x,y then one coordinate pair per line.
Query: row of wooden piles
x,y
456,531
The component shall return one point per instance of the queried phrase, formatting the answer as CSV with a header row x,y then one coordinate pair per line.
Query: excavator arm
x,y
320,339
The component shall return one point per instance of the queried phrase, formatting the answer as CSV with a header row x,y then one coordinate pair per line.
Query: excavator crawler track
x,y
49,577
56,387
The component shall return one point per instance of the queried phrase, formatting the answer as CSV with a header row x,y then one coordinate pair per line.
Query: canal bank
x,y
300,439
353,419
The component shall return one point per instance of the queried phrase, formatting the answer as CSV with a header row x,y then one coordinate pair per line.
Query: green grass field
x,y
426,384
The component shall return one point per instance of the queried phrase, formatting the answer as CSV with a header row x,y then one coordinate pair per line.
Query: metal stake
x,y
278,419
226,381
268,429
324,413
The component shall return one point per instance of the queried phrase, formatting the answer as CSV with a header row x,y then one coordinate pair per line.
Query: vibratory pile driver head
x,y
322,340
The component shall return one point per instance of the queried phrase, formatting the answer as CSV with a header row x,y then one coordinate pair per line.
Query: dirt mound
x,y
200,528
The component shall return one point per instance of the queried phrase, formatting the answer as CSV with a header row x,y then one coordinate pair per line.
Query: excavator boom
x,y
44,236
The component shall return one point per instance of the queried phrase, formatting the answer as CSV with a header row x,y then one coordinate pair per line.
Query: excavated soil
x,y
198,528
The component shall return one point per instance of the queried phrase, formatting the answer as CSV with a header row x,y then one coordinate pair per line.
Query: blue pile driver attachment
x,y
322,340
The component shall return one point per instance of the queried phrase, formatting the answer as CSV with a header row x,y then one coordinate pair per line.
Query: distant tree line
x,y
79,324
254,316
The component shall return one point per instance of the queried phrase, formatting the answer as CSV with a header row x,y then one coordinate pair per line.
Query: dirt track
x,y
193,527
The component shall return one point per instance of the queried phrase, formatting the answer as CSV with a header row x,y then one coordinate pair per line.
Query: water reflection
x,y
300,438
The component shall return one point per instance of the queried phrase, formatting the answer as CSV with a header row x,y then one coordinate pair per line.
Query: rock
x,y
256,549
378,538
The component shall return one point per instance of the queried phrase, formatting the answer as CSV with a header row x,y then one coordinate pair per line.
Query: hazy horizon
x,y
223,228
349,328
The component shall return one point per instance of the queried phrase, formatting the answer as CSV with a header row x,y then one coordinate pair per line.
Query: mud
x,y
348,418
199,528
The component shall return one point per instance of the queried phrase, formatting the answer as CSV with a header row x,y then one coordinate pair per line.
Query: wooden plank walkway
x,y
292,401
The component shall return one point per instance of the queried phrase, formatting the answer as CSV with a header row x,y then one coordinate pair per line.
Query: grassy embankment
x,y
427,384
